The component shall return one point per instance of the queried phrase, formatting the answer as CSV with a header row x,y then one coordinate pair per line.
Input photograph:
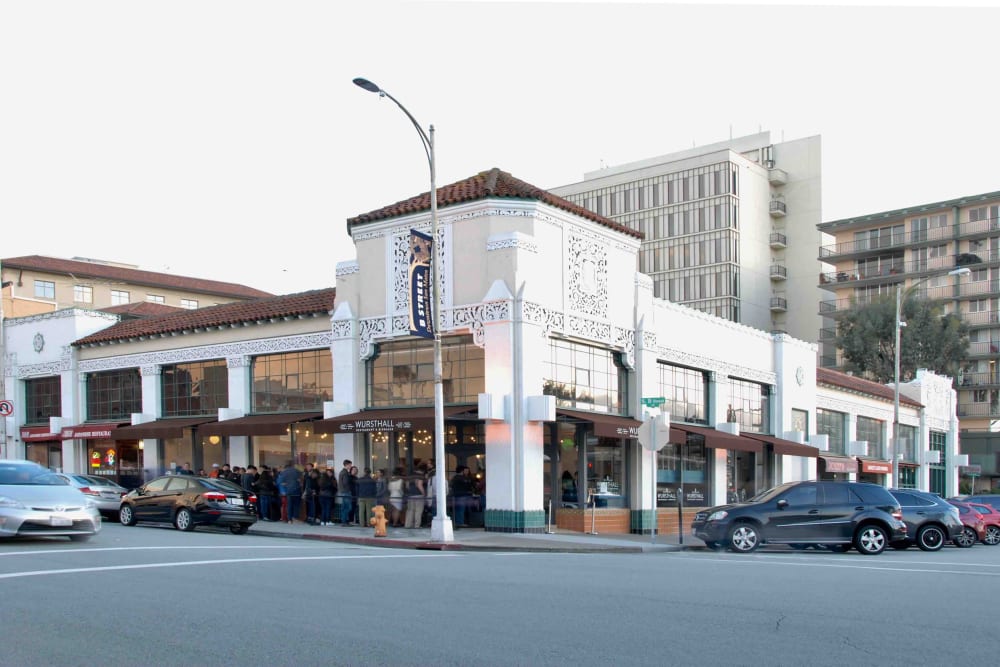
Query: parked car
x,y
35,502
991,499
187,501
834,514
931,521
105,493
991,518
973,525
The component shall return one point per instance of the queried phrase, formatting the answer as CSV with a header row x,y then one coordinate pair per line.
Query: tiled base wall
x,y
667,521
601,521
510,521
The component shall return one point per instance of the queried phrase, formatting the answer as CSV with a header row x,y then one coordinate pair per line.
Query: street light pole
x,y
894,454
441,526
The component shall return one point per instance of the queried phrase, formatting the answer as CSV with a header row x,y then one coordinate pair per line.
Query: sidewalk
x,y
477,539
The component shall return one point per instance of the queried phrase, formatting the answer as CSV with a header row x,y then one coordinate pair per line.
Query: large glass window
x,y
45,289
119,297
402,372
907,443
114,395
585,377
292,381
833,425
681,471
83,294
749,405
938,471
198,388
686,391
42,399
872,430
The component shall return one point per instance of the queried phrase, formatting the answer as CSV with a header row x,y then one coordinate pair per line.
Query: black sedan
x,y
930,521
187,501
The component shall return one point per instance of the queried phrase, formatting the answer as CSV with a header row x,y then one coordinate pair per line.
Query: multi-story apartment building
x,y
915,248
729,228
36,284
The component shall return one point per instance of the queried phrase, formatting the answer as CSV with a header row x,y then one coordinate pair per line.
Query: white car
x,y
35,502
105,493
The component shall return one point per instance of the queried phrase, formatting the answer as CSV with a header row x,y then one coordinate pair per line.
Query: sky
x,y
224,139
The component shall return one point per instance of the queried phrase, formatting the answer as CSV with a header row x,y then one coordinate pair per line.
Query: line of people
x,y
347,498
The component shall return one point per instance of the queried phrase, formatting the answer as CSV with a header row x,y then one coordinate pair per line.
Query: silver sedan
x,y
105,493
35,502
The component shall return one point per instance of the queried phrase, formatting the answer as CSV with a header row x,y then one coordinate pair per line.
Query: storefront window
x,y
271,450
44,454
120,461
292,381
938,471
681,469
178,451
42,399
871,430
907,477
908,443
584,377
606,472
114,395
686,391
749,405
402,372
832,424
198,388
741,483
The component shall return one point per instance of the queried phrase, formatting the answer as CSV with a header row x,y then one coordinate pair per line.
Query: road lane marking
x,y
845,566
223,561
70,550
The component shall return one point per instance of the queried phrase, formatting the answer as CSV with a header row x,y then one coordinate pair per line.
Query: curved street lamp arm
x,y
424,139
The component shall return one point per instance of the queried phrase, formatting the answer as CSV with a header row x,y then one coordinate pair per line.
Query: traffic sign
x,y
6,408
654,401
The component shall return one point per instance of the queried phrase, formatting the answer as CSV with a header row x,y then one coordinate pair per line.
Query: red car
x,y
975,526
991,518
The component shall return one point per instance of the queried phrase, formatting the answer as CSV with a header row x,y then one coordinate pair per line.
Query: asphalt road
x,y
155,596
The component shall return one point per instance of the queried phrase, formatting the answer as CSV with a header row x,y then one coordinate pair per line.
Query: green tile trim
x,y
512,521
641,522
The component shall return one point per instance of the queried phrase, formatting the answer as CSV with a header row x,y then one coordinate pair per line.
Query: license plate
x,y
236,501
60,521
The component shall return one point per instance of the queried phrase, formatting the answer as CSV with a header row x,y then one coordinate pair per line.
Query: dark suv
x,y
930,520
833,514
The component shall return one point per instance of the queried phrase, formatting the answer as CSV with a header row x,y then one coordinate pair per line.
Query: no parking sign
x,y
6,408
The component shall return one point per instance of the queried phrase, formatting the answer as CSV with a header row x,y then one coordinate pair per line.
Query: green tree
x,y
931,339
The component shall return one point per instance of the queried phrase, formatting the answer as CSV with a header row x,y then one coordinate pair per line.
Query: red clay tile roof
x,y
142,309
492,184
840,380
136,276
304,304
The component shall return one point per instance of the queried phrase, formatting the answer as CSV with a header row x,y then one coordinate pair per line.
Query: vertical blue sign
x,y
421,249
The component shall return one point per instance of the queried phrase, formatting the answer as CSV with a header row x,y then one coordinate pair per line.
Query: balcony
x,y
982,318
827,334
778,240
779,304
984,349
779,272
777,176
981,228
777,208
979,380
977,410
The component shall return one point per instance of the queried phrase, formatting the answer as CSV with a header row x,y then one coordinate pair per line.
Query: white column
x,y
152,402
239,385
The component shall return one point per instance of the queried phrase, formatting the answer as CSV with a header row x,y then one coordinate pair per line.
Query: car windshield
x,y
770,493
29,475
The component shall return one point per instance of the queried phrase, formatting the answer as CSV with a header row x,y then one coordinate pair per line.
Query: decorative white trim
x,y
347,268
59,315
683,358
63,364
587,274
149,371
514,240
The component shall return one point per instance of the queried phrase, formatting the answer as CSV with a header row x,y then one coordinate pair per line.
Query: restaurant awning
x,y
91,431
37,433
839,463
605,426
382,420
272,424
715,439
159,429
875,466
782,446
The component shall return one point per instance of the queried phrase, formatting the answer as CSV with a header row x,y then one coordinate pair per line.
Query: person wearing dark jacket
x,y
344,492
327,491
290,488
266,492
310,493
367,491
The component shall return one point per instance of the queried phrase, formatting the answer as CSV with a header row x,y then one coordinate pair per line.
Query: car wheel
x,y
930,538
871,540
743,538
900,546
992,535
183,520
83,537
239,528
966,539
126,515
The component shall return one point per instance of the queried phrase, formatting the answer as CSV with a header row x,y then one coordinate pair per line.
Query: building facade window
x,y
42,399
45,289
190,304
198,388
686,391
402,372
800,421
682,472
872,430
907,443
114,395
834,426
584,377
83,294
291,381
155,298
119,297
938,471
749,405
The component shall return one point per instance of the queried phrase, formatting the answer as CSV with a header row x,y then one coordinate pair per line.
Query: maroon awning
x,y
37,433
272,424
715,439
91,431
382,420
782,446
839,463
605,426
160,429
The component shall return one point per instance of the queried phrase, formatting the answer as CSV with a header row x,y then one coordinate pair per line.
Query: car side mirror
x,y
782,504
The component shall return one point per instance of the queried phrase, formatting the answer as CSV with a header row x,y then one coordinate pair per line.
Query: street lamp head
x,y
960,271
367,85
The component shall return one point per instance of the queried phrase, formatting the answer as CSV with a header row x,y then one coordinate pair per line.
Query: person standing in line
x,y
354,496
461,491
290,486
415,498
310,494
344,492
327,491
382,490
367,490
265,490
430,495
186,470
397,498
